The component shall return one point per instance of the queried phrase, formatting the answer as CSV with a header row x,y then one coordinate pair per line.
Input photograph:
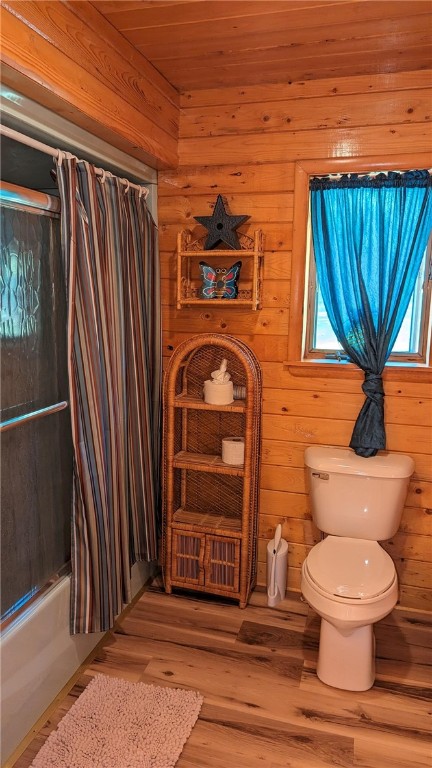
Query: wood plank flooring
x,y
264,706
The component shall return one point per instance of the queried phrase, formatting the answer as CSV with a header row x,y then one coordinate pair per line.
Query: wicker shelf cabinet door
x,y
210,507
222,563
188,553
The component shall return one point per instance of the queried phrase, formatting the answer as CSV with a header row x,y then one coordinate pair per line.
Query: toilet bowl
x,y
348,578
351,584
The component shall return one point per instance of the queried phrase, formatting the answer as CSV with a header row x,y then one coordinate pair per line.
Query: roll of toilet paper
x,y
233,450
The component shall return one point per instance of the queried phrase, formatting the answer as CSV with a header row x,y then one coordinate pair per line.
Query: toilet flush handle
x,y
321,475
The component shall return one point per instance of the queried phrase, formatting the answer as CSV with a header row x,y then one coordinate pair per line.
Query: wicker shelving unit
x,y
210,508
190,252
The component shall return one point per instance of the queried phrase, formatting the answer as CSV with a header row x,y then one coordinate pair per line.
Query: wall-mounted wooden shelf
x,y
190,252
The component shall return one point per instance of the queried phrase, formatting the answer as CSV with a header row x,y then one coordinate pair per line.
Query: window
x,y
36,446
311,341
412,343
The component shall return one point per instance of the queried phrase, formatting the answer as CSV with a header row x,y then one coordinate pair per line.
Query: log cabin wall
x,y
67,57
243,143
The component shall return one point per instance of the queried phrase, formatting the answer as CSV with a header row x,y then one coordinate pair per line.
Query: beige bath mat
x,y
118,724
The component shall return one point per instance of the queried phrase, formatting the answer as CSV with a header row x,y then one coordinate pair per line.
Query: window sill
x,y
329,369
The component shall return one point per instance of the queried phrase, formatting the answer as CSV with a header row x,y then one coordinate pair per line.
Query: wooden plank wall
x,y
67,57
242,143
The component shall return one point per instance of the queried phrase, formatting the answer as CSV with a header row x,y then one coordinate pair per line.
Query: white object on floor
x,y
277,559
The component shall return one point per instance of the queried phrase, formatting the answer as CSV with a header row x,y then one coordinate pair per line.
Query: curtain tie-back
x,y
373,387
368,436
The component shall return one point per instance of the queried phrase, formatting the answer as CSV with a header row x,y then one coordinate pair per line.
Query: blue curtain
x,y
369,238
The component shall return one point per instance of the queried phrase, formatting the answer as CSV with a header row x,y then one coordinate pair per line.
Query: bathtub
x,y
39,656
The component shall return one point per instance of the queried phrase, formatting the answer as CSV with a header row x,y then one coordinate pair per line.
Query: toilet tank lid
x,y
345,461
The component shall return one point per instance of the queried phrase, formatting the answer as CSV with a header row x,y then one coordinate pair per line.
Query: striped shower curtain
x,y
109,241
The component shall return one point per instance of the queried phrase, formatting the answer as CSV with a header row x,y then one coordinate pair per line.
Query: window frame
x,y
304,170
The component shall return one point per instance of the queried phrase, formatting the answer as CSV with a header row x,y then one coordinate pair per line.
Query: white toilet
x,y
348,578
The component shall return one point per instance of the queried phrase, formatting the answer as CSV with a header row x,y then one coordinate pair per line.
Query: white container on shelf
x,y
219,390
218,394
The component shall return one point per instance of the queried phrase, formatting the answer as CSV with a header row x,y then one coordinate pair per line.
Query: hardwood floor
x,y
263,706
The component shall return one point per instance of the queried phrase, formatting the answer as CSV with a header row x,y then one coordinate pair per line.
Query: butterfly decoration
x,y
219,283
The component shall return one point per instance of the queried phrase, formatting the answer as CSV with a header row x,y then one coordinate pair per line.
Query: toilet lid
x,y
352,568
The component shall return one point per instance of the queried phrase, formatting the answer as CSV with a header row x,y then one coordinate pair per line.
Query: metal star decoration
x,y
221,227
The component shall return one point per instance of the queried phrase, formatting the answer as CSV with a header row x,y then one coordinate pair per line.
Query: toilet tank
x,y
357,497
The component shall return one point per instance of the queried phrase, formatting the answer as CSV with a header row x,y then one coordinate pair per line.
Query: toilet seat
x,y
354,569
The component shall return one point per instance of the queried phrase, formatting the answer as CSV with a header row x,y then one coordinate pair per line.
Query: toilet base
x,y
346,661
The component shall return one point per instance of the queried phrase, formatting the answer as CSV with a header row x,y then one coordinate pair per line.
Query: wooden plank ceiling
x,y
210,44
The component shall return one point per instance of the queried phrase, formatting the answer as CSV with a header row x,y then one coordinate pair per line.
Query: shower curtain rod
x,y
16,136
